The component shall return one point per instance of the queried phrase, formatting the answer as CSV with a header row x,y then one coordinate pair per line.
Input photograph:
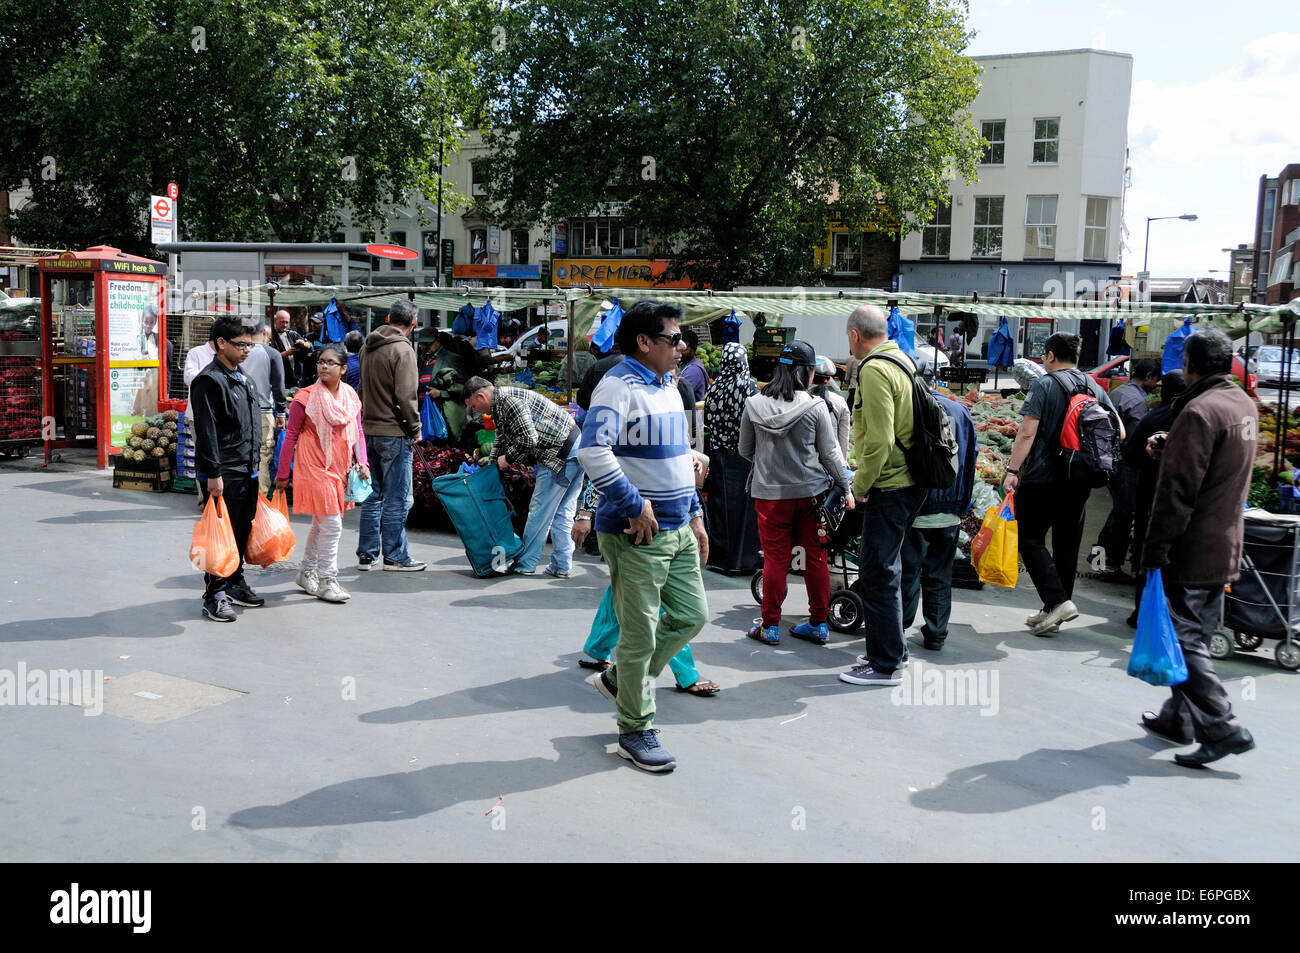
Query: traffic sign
x,y
162,219
392,251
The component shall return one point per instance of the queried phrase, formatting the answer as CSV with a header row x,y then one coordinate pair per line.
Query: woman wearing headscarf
x,y
729,513
324,432
790,437
725,399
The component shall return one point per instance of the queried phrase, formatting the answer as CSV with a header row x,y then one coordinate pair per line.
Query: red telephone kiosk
x,y
103,347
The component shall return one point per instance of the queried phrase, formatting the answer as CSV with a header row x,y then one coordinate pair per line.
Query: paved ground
x,y
466,692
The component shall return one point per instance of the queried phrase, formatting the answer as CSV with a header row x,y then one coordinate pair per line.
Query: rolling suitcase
x,y
477,506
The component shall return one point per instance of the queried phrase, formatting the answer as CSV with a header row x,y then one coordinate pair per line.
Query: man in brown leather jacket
x,y
1195,538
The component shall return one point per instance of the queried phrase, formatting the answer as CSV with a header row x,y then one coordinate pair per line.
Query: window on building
x,y
936,238
1040,226
1094,229
995,141
1047,140
846,253
1265,258
988,227
478,246
429,245
398,239
519,246
607,236
476,187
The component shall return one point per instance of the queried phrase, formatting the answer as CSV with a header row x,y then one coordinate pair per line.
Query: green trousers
x,y
665,573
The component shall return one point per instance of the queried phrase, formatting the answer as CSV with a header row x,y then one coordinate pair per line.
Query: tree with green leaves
x,y
728,128
275,119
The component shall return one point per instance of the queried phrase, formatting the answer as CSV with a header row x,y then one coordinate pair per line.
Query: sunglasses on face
x,y
673,339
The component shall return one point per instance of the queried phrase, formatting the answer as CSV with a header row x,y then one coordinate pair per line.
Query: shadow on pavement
x,y
766,698
998,787
409,794
162,619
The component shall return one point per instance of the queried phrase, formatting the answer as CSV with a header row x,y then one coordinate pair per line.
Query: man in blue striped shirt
x,y
636,451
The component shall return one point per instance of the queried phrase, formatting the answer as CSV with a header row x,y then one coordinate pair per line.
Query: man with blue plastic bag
x,y
1195,537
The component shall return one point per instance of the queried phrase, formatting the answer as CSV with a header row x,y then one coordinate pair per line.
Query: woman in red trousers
x,y
789,436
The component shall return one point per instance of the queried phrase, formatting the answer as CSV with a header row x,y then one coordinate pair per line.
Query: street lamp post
x,y
1146,249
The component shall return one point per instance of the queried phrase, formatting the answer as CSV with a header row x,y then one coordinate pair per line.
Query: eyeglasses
x,y
328,364
673,339
242,345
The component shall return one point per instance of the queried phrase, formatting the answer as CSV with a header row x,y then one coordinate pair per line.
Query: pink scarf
x,y
329,411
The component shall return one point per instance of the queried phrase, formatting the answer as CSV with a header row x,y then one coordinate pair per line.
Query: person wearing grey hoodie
x,y
789,436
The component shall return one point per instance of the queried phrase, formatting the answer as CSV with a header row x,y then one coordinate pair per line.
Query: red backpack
x,y
1089,438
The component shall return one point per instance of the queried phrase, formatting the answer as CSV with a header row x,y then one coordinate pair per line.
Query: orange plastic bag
x,y
270,540
212,548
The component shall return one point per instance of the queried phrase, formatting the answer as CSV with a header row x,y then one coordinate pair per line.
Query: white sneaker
x,y
308,581
1052,621
331,592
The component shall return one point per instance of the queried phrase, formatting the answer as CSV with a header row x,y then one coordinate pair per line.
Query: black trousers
x,y
1057,508
1114,536
886,516
1200,705
240,497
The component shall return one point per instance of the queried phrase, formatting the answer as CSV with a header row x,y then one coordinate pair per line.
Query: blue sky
x,y
1214,106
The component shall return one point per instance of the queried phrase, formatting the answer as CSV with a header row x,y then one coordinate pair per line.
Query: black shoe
x,y
241,595
1239,742
218,609
1132,620
1152,723
1116,575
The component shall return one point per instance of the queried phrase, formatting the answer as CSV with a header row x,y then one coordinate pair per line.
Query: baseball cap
x,y
798,353
825,366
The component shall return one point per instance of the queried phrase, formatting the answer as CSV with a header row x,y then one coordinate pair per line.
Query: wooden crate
x,y
153,475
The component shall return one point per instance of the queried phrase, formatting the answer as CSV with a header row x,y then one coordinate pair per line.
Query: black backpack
x,y
933,457
1088,442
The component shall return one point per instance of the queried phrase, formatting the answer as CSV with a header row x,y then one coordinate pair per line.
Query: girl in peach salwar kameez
x,y
324,430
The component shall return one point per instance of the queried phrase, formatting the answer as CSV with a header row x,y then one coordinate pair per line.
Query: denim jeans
x,y
383,514
555,500
927,572
886,516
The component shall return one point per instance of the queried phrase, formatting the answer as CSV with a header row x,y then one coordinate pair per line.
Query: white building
x,y
1048,205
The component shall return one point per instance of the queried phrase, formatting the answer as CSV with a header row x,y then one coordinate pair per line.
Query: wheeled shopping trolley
x,y
1263,602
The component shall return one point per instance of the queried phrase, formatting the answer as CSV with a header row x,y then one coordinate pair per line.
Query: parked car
x,y
1115,372
927,358
1273,369
558,340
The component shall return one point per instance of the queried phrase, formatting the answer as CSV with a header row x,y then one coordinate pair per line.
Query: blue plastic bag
x,y
433,426
1172,359
1118,345
1157,657
1002,346
464,323
731,328
902,331
485,326
609,322
334,329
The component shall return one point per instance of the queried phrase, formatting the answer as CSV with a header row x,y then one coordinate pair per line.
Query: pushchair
x,y
1262,603
839,537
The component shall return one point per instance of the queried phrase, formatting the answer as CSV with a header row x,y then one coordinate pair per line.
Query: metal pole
x,y
1288,344
568,369
1146,247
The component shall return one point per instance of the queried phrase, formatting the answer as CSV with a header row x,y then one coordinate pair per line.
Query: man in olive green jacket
x,y
888,496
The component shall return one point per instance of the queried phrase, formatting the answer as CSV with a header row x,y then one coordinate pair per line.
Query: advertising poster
x,y
132,397
132,321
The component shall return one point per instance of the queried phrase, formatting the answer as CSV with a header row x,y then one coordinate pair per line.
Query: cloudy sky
x,y
1213,108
